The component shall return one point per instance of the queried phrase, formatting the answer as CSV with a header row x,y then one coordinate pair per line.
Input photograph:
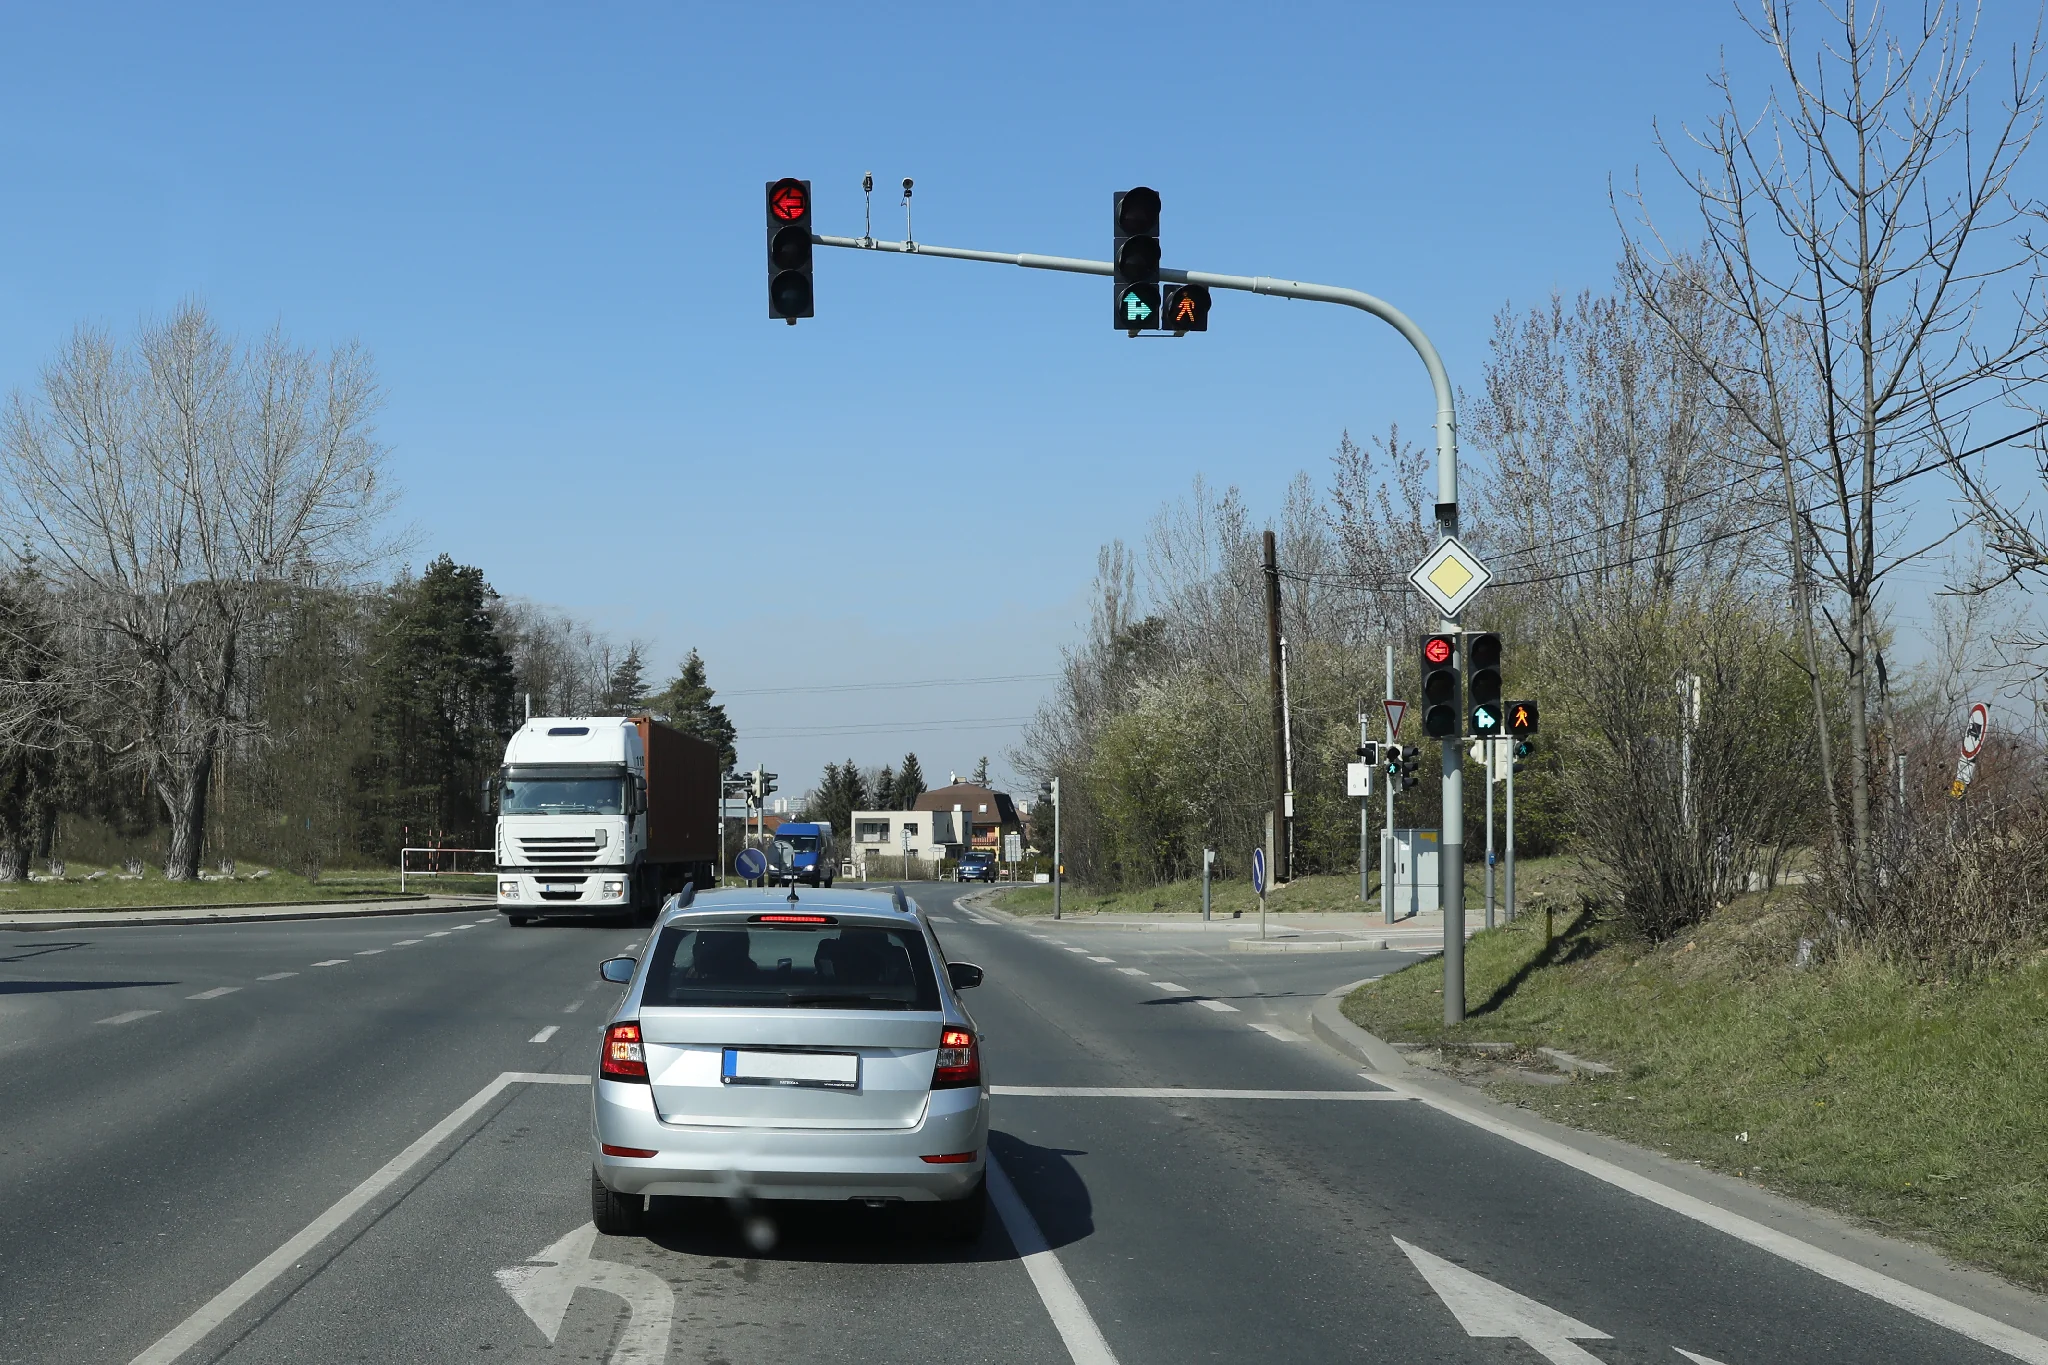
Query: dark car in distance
x,y
976,867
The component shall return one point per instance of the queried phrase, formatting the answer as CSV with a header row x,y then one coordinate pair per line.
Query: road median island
x,y
1909,1102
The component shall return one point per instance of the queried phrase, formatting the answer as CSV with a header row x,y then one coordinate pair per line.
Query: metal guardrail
x,y
405,871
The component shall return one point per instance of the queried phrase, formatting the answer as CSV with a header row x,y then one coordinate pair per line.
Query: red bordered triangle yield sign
x,y
1395,710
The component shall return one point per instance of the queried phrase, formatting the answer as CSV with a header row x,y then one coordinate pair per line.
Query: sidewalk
x,y
239,914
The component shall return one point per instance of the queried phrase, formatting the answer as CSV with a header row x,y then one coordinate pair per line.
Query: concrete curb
x,y
1295,945
1326,1020
200,914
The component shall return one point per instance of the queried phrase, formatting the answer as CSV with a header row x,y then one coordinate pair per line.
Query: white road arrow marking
x,y
543,1291
1485,1309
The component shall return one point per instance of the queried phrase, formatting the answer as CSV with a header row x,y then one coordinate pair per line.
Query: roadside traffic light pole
x,y
1453,819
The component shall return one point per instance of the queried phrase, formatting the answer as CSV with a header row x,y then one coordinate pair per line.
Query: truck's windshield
x,y
563,796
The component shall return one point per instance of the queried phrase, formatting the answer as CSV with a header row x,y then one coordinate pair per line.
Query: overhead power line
x,y
885,686
886,727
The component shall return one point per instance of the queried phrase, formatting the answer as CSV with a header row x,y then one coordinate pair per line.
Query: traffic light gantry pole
x,y
1452,865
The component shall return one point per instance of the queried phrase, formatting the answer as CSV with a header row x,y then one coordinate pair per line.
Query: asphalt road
x,y
175,1108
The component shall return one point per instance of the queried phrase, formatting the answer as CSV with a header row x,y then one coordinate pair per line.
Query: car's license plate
x,y
832,1070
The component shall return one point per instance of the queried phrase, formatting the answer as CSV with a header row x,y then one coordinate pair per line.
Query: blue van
x,y
807,853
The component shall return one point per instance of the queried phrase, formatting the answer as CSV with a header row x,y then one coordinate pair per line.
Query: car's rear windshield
x,y
828,966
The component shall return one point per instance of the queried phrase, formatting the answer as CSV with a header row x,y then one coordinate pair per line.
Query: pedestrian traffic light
x,y
1411,759
1440,686
1483,655
1186,308
1135,262
1370,752
1522,718
789,249
1523,748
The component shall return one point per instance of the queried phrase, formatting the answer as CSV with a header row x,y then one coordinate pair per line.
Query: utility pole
x,y
1364,817
1277,847
1453,786
1059,868
1512,764
1393,782
1486,746
1208,867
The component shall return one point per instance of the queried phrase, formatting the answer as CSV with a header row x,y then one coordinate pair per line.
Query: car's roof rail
x,y
902,901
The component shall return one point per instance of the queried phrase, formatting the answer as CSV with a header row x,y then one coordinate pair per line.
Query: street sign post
x,y
752,864
1396,710
1974,730
1259,885
1450,576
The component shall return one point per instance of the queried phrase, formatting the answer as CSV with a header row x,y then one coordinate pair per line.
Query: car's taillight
x,y
959,1061
623,1058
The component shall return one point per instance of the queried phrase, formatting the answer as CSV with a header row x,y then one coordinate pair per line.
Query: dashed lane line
x,y
942,919
216,993
333,962
1285,1035
438,933
1217,1005
130,1017
1102,959
1072,949
1132,971
276,976
979,920
572,1007
407,942
369,952
1170,987
550,1031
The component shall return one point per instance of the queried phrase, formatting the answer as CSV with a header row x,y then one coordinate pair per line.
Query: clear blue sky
x,y
545,221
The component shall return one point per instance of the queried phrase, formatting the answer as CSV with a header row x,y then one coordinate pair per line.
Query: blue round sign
x,y
751,864
1259,870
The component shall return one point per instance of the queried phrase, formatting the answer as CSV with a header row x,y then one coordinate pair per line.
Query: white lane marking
x,y
550,1031
492,920
467,926
1285,1035
1182,1092
369,952
1171,988
1132,971
216,993
130,1017
438,933
979,920
276,976
942,919
333,962
543,1291
223,1305
1978,1327
1219,1006
408,942
1072,949
1696,1360
1063,1304
572,1007
1486,1309
1062,942
1102,959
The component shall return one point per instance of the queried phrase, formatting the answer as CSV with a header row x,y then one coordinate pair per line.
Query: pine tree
x,y
909,783
443,703
687,703
885,790
625,690
837,797
980,778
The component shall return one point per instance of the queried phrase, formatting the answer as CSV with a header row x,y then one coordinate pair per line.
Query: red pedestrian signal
x,y
1522,718
1186,308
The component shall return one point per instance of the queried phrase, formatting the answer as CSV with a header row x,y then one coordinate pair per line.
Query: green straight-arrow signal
x,y
1134,307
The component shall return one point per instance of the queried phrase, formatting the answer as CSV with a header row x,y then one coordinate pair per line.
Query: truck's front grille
x,y
558,850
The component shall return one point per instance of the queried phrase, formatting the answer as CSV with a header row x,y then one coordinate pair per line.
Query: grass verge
x,y
1535,880
110,891
1913,1105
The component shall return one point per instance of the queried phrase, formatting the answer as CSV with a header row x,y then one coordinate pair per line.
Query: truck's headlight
x,y
508,888
615,888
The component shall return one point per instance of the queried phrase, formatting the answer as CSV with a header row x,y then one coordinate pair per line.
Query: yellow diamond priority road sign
x,y
1450,576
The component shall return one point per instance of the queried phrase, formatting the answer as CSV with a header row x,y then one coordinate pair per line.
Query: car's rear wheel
x,y
616,1215
961,1220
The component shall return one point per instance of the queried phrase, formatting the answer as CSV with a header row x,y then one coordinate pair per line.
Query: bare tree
x,y
179,487
1850,235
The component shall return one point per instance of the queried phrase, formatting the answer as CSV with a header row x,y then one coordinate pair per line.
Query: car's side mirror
x,y
965,976
619,970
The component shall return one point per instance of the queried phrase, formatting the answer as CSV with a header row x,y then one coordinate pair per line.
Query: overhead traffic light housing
x,y
1185,308
1483,684
1440,686
789,249
1135,260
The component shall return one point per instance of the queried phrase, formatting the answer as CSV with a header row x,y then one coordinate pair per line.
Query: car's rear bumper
x,y
789,1163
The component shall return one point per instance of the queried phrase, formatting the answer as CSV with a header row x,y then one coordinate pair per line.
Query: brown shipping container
x,y
682,794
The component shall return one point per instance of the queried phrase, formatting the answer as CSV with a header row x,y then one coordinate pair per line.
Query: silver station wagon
x,y
771,1046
